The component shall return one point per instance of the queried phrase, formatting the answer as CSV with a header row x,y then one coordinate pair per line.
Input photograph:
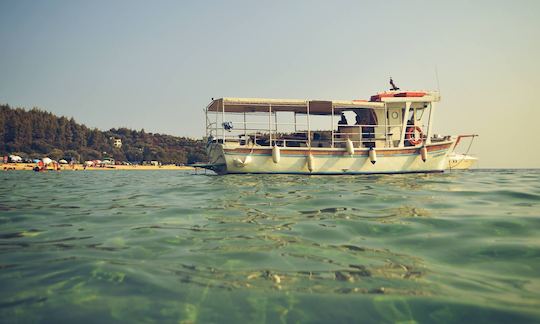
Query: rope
x,y
466,153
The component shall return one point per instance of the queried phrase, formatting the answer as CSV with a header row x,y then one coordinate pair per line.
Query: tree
x,y
88,154
56,154
71,155
196,157
37,133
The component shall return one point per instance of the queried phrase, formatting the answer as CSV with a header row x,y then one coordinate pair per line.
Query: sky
x,y
157,64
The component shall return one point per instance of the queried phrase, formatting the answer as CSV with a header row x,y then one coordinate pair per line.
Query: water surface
x,y
143,246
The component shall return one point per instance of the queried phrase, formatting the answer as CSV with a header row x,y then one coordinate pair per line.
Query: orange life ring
x,y
410,135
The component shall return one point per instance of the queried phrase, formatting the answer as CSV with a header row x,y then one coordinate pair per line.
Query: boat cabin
x,y
389,119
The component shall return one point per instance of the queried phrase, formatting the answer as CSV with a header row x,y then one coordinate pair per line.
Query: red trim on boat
x,y
378,96
410,94
358,152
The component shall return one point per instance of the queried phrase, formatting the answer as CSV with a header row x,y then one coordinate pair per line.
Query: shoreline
x,y
80,167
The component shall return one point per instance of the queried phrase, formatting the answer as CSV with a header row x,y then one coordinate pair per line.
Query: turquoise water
x,y
169,246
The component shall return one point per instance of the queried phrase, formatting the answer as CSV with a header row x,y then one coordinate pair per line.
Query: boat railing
x,y
256,137
268,134
368,135
259,133
217,128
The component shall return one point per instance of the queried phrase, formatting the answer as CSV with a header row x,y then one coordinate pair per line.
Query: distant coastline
x,y
35,134
81,167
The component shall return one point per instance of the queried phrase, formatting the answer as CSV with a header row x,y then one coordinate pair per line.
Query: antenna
x,y
437,78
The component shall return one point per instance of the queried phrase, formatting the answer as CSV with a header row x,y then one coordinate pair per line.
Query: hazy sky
x,y
156,64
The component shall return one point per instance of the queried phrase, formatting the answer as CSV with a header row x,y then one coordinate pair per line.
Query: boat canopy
x,y
316,107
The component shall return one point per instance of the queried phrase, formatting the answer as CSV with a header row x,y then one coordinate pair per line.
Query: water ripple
x,y
178,246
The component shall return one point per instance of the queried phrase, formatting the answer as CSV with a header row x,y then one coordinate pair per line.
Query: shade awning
x,y
316,107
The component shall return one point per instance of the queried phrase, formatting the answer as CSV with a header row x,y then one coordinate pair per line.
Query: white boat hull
x,y
302,160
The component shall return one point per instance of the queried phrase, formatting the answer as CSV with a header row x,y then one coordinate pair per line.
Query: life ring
x,y
411,137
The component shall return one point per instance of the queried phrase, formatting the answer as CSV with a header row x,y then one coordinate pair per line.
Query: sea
x,y
194,247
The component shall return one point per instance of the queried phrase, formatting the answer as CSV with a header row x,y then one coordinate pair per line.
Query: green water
x,y
169,246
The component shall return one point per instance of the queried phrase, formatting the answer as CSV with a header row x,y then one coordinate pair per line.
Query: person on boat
x,y
360,119
366,118
343,120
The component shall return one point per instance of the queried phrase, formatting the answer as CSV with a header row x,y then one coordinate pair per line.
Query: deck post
x,y
206,118
270,123
430,122
308,126
275,124
332,127
215,125
386,142
223,119
404,124
245,130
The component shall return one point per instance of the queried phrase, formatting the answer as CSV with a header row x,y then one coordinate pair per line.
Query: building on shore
x,y
117,142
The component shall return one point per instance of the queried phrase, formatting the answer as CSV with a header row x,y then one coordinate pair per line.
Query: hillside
x,y
37,133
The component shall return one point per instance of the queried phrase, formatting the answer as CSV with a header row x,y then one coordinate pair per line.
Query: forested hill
x,y
37,133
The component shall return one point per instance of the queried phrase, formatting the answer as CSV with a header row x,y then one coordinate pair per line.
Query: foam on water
x,y
177,246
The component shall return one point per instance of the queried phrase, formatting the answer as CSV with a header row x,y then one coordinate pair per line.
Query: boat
x,y
390,133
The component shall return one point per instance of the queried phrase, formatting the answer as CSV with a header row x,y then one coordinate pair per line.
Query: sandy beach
x,y
80,167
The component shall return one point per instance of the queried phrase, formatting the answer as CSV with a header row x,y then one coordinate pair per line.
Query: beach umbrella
x,y
36,160
88,163
15,158
63,161
46,160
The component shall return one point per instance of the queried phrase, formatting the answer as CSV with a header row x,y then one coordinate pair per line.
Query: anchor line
x,y
466,153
